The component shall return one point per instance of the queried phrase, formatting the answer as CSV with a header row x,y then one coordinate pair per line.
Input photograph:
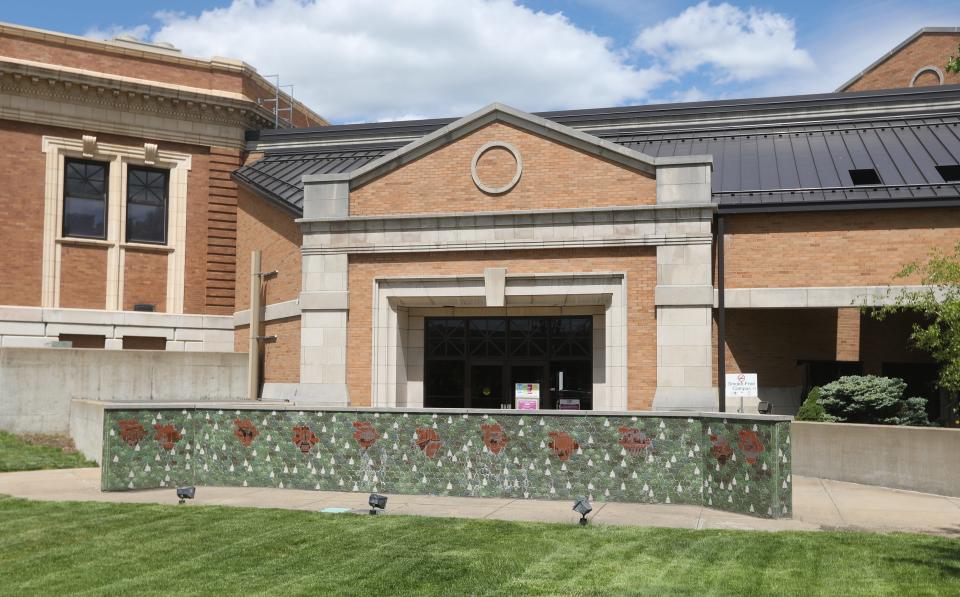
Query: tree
x,y
953,65
938,304
812,410
870,399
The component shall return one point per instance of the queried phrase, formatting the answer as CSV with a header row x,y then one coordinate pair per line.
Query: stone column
x,y
684,297
324,302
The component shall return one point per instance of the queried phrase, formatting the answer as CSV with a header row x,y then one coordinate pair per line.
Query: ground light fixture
x,y
376,502
186,493
582,507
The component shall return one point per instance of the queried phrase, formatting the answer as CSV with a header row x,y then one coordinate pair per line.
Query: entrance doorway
x,y
478,362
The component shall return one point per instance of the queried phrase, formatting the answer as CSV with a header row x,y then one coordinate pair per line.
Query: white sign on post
x,y
741,385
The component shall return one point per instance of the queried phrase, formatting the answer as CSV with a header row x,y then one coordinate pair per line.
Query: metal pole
x,y
721,322
253,358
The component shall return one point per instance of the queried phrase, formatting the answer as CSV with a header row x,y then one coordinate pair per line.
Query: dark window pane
x,y
146,205
571,337
84,199
445,337
443,384
488,337
528,337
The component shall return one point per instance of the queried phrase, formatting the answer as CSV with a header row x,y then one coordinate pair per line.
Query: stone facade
x,y
735,464
643,221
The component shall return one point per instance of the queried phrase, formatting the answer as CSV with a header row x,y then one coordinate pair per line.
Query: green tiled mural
x,y
736,464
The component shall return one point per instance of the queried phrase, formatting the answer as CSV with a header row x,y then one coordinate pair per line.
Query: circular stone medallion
x,y
490,189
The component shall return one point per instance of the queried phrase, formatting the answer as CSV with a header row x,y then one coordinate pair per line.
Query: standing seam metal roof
x,y
754,165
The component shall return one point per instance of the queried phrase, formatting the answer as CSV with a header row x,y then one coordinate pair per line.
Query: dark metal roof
x,y
799,164
592,118
796,165
278,174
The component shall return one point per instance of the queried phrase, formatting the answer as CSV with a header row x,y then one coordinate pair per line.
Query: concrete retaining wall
x,y
86,428
915,458
38,384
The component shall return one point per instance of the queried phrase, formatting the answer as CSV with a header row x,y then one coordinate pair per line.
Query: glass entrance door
x,y
477,362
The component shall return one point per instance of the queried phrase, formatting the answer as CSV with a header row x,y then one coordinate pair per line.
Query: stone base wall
x,y
739,464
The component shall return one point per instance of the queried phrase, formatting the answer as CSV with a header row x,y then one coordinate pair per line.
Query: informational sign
x,y
527,396
527,390
742,385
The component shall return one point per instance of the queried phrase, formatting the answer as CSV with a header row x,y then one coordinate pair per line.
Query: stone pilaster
x,y
684,300
324,304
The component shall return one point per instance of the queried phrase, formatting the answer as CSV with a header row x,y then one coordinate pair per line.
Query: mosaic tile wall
x,y
730,464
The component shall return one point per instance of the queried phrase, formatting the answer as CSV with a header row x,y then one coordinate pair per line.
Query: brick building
x,y
602,254
119,215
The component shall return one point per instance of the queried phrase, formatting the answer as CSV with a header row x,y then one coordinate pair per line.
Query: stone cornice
x,y
154,54
547,229
33,92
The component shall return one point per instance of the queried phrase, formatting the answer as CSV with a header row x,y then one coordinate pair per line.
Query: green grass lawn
x,y
120,549
35,452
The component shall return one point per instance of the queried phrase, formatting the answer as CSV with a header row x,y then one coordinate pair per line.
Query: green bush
x,y
812,410
872,399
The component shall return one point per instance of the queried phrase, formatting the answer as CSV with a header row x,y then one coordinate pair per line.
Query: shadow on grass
x,y
941,558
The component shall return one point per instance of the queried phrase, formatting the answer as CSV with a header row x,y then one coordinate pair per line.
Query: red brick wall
x,y
639,264
832,249
21,214
273,231
770,342
211,220
930,49
144,343
281,359
554,176
221,232
144,279
83,277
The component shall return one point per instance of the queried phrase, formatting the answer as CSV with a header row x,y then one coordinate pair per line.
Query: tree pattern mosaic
x,y
730,464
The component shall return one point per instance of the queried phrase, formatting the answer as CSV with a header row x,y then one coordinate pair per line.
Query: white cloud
x,y
740,45
137,32
371,60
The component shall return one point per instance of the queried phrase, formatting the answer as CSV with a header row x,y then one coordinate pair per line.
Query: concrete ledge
x,y
271,312
683,295
915,458
324,301
813,297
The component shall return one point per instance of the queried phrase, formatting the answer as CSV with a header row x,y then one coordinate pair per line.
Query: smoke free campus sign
x,y
742,385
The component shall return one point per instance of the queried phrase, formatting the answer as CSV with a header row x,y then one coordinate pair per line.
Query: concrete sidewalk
x,y
818,504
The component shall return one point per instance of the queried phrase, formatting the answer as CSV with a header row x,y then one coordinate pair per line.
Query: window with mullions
x,y
147,195
85,199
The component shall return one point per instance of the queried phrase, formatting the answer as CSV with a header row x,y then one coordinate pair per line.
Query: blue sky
x,y
362,60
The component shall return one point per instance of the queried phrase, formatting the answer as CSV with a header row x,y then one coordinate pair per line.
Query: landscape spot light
x,y
377,501
186,493
764,407
582,507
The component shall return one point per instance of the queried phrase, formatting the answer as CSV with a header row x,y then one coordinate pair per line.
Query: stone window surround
x,y
400,303
57,149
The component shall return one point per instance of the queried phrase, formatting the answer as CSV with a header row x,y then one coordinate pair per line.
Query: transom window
x,y
85,199
147,195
